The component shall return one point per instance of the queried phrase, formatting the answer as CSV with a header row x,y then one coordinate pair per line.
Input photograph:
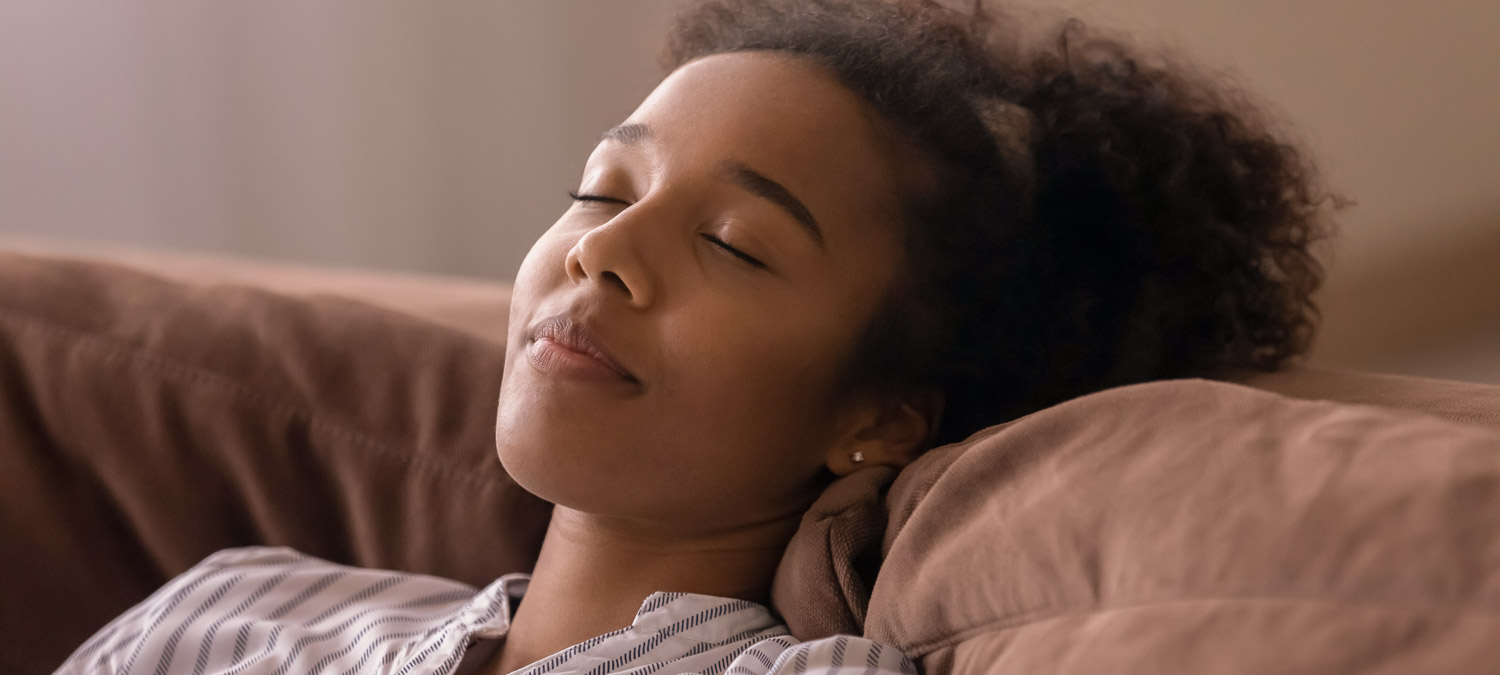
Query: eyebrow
x,y
629,134
736,172
759,185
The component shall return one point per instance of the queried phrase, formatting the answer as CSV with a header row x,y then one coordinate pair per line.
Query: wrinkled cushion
x,y
1196,526
822,585
145,424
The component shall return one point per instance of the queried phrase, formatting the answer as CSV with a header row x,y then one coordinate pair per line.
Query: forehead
x,y
787,118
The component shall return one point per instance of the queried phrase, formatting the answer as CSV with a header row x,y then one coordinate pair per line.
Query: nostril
x,y
614,280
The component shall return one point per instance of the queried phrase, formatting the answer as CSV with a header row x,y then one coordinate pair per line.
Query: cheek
x,y
544,263
756,397
542,270
734,432
519,439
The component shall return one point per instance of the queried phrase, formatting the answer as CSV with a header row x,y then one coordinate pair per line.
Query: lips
x,y
562,345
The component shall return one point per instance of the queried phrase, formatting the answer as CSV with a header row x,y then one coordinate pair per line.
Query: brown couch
x,y
1312,521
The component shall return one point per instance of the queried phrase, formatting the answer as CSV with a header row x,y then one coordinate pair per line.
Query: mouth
x,y
563,346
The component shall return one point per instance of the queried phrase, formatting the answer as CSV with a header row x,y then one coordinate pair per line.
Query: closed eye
x,y
577,197
602,199
749,259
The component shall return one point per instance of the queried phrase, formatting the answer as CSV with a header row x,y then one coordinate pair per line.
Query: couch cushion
x,y
1196,526
147,423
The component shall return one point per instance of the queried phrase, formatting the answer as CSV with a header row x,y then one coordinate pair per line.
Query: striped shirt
x,y
274,610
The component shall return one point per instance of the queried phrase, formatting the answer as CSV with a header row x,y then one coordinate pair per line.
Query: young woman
x,y
839,231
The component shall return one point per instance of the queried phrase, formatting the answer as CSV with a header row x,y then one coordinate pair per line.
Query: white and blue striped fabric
x,y
274,610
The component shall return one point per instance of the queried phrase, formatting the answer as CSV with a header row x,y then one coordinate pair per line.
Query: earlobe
x,y
893,434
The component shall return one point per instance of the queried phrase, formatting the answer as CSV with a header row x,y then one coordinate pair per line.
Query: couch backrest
x,y
145,424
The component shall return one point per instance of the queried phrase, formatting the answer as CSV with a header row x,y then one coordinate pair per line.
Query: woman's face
x,y
678,338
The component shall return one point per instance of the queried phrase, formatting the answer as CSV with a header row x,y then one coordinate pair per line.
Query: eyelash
x,y
745,257
593,198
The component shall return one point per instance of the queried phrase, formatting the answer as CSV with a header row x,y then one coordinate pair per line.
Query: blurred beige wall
x,y
436,136
1399,102
442,136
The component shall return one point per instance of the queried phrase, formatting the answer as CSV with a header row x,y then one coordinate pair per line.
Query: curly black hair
x,y
1099,218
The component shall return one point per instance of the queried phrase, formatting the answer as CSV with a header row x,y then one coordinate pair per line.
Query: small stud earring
x,y
857,457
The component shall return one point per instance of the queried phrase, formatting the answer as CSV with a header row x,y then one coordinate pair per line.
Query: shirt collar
x,y
704,617
490,611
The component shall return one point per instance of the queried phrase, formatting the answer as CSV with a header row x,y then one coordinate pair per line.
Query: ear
x,y
886,432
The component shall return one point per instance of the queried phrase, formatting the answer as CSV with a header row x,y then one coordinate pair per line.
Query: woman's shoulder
x,y
256,556
285,566
269,608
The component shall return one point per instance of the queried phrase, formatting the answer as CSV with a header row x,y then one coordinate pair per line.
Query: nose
x,y
610,255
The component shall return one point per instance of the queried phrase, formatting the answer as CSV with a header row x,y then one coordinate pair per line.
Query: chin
x,y
522,461
585,487
541,467
517,470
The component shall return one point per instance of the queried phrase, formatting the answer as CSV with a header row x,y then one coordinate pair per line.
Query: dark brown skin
x,y
691,473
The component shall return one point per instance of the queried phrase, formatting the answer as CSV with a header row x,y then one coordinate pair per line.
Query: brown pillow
x,y
822,587
1202,527
145,424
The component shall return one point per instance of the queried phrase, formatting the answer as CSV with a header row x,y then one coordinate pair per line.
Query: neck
x,y
594,573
